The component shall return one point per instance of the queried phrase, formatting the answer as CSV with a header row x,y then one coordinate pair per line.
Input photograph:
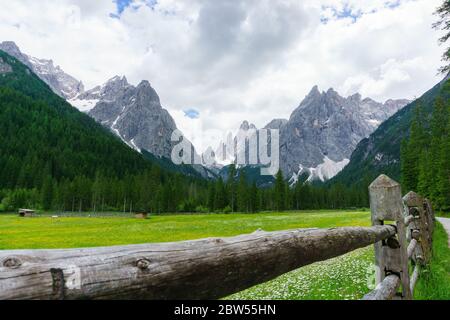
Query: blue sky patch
x,y
191,113
123,4
346,12
392,4
349,12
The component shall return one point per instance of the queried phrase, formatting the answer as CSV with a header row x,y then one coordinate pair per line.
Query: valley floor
x,y
346,277
340,278
51,233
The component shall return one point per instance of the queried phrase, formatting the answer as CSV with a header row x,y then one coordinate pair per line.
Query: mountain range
x,y
322,133
381,151
60,82
317,140
325,129
133,113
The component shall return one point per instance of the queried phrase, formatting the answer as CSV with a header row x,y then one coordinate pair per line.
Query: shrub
x,y
201,209
227,210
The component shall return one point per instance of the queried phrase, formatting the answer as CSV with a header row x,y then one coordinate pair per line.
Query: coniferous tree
x,y
412,149
280,192
231,186
47,193
212,197
425,156
444,24
242,193
253,198
220,195
443,179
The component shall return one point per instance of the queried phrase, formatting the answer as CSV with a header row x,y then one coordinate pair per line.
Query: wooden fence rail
x,y
217,267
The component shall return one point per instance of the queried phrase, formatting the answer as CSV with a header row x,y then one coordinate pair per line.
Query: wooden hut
x,y
141,215
26,213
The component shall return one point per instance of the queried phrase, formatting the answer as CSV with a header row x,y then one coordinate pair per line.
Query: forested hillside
x,y
380,153
425,155
54,157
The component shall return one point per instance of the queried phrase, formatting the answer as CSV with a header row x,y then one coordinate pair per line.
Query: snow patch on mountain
x,y
84,105
60,82
323,172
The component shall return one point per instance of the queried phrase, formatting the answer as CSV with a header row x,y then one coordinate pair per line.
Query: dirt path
x,y
446,223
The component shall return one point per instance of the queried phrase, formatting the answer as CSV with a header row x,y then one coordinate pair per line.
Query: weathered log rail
x,y
216,267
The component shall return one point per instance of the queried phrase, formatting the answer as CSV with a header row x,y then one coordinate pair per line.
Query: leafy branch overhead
x,y
444,24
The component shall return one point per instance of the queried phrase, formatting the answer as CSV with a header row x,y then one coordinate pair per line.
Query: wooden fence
x,y
217,267
414,219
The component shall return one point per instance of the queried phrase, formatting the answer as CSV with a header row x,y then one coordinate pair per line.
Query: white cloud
x,y
236,60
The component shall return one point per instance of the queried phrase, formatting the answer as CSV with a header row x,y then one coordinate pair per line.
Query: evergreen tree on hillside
x,y
442,182
212,197
412,149
444,24
426,174
425,157
253,198
221,195
47,193
231,187
438,128
242,193
280,192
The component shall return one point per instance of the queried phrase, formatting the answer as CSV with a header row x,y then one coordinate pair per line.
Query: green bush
x,y
201,209
227,210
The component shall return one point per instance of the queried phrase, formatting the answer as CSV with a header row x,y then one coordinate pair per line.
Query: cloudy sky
x,y
217,63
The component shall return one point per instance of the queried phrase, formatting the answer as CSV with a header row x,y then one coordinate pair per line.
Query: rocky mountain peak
x,y
396,104
246,126
332,92
313,94
355,98
145,91
134,114
368,100
314,90
115,83
326,128
60,82
11,48
117,80
276,124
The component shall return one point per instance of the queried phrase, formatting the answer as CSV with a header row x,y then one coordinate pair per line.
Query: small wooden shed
x,y
141,215
26,213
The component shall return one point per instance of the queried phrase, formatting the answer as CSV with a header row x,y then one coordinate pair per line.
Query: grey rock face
x,y
231,150
60,82
321,133
4,67
133,113
276,124
325,129
13,50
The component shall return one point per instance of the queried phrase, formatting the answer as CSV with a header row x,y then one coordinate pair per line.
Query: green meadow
x,y
78,232
346,277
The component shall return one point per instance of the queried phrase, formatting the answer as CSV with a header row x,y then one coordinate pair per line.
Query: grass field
x,y
340,278
49,233
345,277
434,281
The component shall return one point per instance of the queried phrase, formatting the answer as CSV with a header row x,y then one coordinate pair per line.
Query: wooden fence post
x,y
431,218
391,256
419,228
